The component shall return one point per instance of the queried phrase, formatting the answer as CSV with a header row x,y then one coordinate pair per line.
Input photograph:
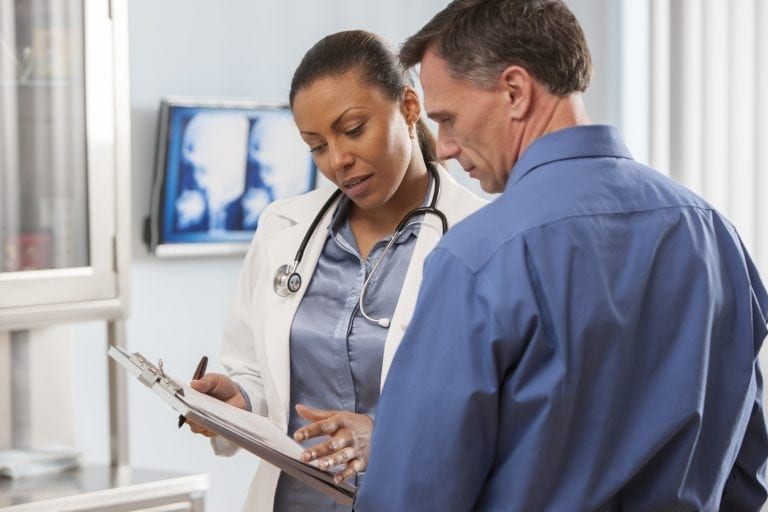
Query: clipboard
x,y
254,433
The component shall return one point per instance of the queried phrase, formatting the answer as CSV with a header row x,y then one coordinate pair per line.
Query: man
x,y
589,340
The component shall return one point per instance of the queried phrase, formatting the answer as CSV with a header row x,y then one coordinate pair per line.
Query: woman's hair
x,y
480,38
377,63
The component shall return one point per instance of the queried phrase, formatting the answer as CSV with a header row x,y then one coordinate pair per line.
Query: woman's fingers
x,y
221,387
313,415
353,467
217,385
337,458
321,428
326,448
199,429
350,438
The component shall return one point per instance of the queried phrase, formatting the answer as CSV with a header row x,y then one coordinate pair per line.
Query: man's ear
x,y
410,105
517,85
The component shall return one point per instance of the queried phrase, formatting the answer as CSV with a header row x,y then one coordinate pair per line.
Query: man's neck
x,y
553,113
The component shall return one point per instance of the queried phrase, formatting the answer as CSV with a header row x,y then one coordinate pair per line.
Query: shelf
x,y
37,83
105,489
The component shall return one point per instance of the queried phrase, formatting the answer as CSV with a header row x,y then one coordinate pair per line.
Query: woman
x,y
319,355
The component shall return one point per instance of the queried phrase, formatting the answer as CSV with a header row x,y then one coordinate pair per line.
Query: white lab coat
x,y
255,344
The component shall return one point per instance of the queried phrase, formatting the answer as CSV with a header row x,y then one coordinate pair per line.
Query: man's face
x,y
472,123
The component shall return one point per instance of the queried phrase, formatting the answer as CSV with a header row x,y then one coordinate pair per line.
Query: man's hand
x,y
218,386
350,439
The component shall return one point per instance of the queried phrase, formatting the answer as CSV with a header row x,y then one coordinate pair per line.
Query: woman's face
x,y
358,137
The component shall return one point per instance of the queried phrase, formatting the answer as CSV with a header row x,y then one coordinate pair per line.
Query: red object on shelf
x,y
35,251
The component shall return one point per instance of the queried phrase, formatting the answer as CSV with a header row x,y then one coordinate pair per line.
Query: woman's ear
x,y
517,85
410,105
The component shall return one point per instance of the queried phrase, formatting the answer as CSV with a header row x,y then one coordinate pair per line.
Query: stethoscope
x,y
288,280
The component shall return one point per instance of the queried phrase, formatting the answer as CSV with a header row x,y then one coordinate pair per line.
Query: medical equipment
x,y
288,280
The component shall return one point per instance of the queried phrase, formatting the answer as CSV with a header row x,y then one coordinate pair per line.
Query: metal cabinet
x,y
65,172
64,161
64,221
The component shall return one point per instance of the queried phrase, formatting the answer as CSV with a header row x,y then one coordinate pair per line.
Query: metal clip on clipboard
x,y
149,374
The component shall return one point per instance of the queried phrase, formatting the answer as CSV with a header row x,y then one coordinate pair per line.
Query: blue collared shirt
x,y
336,354
588,341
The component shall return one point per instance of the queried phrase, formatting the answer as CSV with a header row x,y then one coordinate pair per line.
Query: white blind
x,y
709,65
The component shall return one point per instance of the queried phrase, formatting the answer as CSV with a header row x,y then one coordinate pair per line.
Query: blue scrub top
x,y
588,341
336,354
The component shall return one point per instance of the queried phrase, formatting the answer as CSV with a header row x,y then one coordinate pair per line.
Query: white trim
x,y
635,65
741,145
715,90
761,135
660,90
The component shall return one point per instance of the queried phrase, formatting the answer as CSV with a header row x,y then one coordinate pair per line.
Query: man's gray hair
x,y
480,38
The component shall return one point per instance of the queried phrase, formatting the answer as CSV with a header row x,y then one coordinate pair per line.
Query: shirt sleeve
x,y
442,391
238,351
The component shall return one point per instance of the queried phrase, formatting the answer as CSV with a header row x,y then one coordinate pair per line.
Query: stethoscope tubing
x,y
385,322
288,280
313,226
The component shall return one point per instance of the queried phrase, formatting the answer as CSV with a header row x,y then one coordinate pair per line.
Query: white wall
x,y
233,48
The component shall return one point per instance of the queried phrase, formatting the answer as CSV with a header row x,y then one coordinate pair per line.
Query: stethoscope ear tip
x,y
383,322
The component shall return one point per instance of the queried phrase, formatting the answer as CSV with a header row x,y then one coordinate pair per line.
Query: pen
x,y
199,372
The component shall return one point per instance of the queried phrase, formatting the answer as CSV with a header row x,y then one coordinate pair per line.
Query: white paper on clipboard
x,y
254,433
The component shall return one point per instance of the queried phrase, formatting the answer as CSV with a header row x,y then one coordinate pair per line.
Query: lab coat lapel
x,y
281,249
451,204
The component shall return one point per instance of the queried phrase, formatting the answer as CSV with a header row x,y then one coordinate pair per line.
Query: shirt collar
x,y
573,142
340,221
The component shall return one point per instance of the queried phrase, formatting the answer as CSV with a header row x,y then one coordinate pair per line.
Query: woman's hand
x,y
218,386
350,438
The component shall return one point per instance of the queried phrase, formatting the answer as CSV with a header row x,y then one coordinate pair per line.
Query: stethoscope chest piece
x,y
287,280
